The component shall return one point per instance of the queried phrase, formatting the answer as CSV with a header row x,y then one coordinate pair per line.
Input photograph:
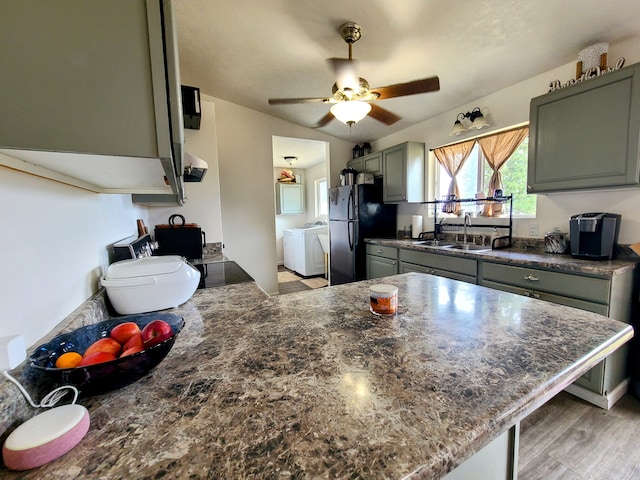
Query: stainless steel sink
x,y
434,243
469,247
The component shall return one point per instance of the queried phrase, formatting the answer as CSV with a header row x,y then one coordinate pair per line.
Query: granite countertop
x,y
313,385
533,257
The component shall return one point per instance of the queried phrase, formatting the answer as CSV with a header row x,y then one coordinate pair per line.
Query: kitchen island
x,y
313,385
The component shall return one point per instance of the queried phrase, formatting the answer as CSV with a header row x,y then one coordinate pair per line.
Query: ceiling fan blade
x,y
286,101
324,120
345,71
431,84
382,115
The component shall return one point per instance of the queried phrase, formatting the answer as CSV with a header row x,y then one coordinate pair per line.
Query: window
x,y
322,196
475,174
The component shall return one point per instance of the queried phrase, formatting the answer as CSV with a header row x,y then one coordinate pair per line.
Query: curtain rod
x,y
498,132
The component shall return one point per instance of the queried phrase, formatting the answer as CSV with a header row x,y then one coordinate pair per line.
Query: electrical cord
x,y
49,400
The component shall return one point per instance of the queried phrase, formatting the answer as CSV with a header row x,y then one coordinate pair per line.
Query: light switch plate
x,y
533,229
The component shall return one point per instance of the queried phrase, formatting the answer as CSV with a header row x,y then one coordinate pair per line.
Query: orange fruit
x,y
68,360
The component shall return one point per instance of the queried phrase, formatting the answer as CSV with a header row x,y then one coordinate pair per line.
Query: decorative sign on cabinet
x,y
586,135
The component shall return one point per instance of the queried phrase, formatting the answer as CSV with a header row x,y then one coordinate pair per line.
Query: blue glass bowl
x,y
103,377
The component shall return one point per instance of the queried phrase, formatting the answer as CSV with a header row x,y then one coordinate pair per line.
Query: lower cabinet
x,y
382,261
612,297
456,268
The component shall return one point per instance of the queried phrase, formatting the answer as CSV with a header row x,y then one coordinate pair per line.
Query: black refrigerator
x,y
356,212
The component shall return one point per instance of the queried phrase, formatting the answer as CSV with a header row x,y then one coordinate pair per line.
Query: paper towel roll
x,y
416,225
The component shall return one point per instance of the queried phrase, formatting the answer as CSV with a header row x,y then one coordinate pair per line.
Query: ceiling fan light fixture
x,y
350,112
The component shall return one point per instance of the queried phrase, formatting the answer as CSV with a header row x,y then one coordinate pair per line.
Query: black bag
x,y
185,239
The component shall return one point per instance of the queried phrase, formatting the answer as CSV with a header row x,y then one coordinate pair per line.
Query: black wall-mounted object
x,y
191,107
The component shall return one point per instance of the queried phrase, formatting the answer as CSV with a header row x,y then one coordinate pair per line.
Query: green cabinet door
x,y
586,135
289,198
372,163
403,169
382,261
381,267
356,164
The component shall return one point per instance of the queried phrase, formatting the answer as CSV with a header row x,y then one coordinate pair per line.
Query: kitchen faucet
x,y
467,222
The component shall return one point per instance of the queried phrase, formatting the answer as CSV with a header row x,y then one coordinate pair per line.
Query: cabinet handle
x,y
531,278
394,263
536,295
380,251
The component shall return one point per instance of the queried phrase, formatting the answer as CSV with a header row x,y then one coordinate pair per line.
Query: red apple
x,y
96,357
131,351
107,345
124,331
155,332
135,341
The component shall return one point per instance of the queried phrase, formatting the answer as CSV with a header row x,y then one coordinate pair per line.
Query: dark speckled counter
x,y
313,385
625,260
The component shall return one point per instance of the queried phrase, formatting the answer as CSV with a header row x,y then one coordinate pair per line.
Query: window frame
x,y
441,175
321,197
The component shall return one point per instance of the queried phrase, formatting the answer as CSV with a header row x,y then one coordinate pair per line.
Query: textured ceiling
x,y
247,51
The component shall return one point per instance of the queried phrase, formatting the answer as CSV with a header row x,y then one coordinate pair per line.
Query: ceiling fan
x,y
352,97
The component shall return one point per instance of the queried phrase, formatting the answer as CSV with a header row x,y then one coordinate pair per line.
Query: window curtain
x,y
497,149
452,158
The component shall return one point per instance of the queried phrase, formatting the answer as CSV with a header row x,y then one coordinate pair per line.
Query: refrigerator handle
x,y
350,206
352,235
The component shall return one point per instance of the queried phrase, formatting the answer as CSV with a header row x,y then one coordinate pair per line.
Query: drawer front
x,y
564,284
549,297
382,251
410,267
465,266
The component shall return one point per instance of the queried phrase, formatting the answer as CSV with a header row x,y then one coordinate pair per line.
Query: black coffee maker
x,y
594,235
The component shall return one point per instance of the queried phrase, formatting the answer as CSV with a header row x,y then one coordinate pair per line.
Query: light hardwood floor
x,y
570,439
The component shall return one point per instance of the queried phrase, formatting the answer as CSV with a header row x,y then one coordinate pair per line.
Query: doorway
x,y
305,163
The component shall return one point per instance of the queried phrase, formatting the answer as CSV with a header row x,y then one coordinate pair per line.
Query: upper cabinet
x,y
586,135
403,173
371,163
289,198
91,95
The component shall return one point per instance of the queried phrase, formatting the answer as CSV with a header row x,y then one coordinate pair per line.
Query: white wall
x,y
203,198
508,107
246,184
314,173
52,247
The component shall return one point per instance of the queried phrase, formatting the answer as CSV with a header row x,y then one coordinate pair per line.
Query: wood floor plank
x,y
570,439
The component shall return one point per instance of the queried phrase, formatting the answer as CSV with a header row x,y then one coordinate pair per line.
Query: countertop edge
x,y
562,262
